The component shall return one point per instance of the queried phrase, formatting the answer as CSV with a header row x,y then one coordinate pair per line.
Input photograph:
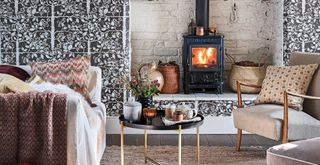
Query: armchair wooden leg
x,y
284,140
239,139
285,119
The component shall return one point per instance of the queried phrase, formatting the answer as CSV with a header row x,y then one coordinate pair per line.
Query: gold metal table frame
x,y
146,158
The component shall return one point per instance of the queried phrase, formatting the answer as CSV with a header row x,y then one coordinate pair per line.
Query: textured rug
x,y
168,155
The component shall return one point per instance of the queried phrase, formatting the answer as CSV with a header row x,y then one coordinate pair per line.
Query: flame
x,y
204,57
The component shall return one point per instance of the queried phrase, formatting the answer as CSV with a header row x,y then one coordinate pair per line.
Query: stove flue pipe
x,y
202,14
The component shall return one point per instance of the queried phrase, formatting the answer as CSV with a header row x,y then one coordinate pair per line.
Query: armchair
x,y
279,122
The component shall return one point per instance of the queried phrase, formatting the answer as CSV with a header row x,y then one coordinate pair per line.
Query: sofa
x,y
295,153
86,132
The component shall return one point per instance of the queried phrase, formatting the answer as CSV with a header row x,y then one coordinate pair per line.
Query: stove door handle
x,y
188,64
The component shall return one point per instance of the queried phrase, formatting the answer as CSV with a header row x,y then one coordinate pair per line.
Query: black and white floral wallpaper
x,y
48,30
301,26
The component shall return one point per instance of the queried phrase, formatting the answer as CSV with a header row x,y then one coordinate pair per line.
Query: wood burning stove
x,y
203,57
203,63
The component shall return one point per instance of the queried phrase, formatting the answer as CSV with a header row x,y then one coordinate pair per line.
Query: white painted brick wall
x,y
157,28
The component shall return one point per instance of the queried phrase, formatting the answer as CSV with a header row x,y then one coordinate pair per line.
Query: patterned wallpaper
x,y
47,30
301,26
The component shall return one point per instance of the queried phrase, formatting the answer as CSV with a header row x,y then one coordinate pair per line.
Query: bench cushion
x,y
266,120
295,153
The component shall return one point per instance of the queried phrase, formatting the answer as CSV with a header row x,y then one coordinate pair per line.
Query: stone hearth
x,y
207,104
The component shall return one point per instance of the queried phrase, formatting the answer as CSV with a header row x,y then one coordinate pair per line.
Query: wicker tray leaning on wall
x,y
247,72
171,76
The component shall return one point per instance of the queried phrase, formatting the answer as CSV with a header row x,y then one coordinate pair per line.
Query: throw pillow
x,y
72,72
14,71
291,78
10,83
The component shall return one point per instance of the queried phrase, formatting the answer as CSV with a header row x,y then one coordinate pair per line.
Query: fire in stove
x,y
204,57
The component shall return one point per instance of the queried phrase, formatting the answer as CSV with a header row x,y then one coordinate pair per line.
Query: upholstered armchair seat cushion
x,y
266,120
295,153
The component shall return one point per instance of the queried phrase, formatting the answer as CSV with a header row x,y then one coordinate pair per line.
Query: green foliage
x,y
141,86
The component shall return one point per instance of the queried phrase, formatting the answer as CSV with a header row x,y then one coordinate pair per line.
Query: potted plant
x,y
143,89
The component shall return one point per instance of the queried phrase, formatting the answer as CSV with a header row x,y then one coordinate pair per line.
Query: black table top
x,y
157,123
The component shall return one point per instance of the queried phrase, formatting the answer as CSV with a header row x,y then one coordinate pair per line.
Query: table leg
x,y
179,145
198,146
121,142
145,145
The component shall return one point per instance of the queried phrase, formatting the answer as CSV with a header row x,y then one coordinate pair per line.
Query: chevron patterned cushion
x,y
72,72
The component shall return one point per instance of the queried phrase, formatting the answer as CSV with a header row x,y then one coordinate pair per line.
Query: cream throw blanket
x,y
85,129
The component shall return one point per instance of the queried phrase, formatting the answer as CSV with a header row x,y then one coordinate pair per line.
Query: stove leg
x,y
187,90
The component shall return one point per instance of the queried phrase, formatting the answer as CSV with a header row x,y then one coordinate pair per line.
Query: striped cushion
x,y
72,72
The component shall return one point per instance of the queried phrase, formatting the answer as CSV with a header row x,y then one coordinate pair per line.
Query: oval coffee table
x,y
157,124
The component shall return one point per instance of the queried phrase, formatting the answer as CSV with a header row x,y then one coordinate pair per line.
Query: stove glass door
x,y
204,57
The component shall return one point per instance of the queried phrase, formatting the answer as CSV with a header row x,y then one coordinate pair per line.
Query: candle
x,y
149,112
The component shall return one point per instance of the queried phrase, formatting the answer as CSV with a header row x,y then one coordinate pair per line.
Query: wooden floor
x,y
205,140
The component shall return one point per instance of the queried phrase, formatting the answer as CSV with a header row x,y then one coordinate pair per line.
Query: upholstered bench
x,y
296,153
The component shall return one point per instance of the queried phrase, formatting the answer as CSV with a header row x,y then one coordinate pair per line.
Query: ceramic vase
x,y
151,70
146,102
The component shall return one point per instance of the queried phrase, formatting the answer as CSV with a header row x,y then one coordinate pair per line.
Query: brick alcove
x,y
157,29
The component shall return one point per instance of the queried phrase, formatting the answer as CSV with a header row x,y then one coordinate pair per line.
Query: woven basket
x,y
250,75
171,75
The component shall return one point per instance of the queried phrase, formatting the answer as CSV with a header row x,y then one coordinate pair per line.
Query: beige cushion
x,y
266,120
35,79
10,83
295,153
310,106
291,78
